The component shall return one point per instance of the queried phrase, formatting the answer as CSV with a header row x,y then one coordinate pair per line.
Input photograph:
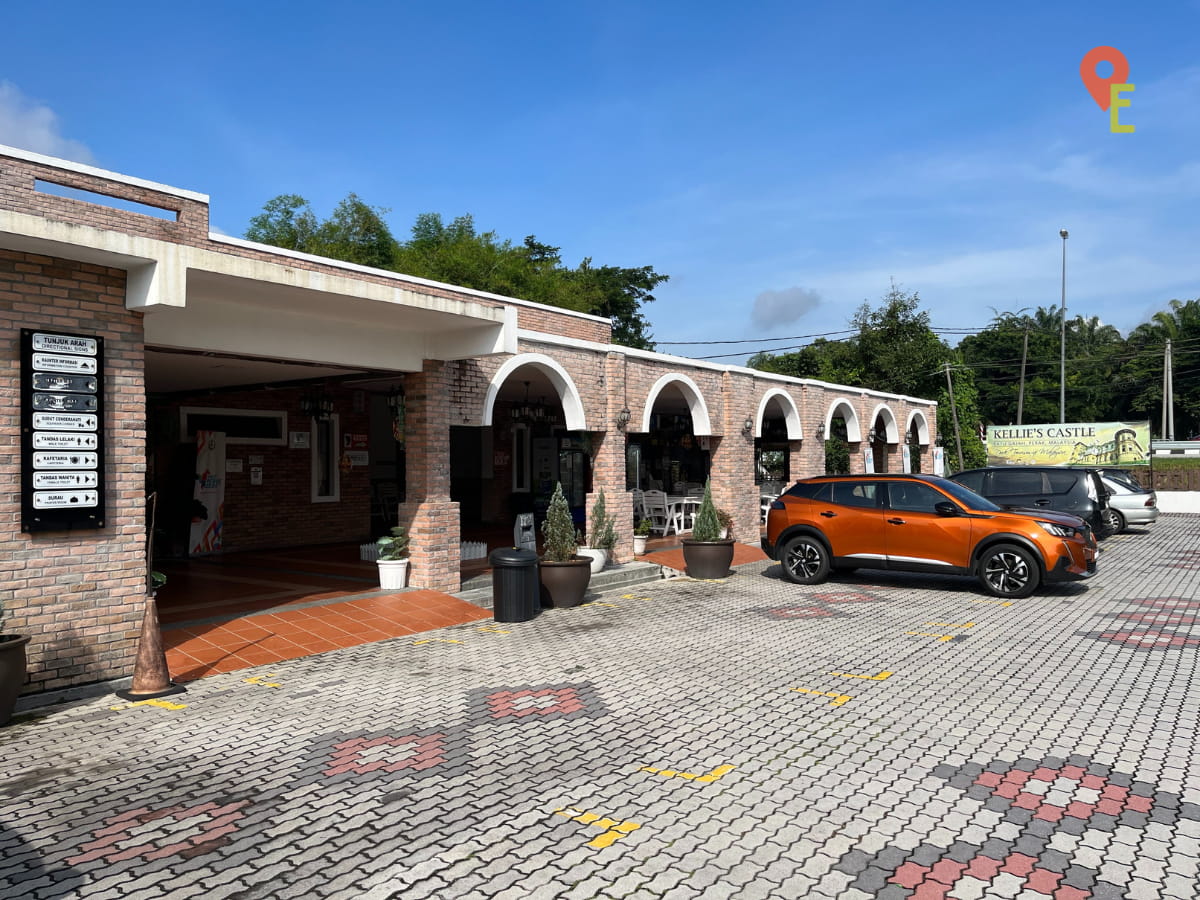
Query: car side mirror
x,y
945,508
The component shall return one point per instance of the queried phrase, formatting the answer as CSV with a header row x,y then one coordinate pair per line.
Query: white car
x,y
1128,505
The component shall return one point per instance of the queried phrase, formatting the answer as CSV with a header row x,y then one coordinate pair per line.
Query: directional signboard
x,y
62,431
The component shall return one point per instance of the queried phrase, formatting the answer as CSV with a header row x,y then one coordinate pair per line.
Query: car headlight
x,y
1057,530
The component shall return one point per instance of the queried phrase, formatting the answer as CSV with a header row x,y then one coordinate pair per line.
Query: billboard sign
x,y
1071,444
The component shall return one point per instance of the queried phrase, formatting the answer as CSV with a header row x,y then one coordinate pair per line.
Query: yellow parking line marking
x,y
613,830
940,637
707,779
634,597
951,624
997,602
881,676
838,699
435,641
258,679
601,603
488,629
162,704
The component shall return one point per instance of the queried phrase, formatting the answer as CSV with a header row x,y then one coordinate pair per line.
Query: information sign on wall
x,y
62,431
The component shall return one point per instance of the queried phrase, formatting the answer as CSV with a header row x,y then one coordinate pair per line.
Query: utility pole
x,y
1021,395
1168,417
954,413
1062,364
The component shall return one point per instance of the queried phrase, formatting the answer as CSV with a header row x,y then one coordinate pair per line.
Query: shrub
x,y
558,529
707,526
644,527
726,521
394,546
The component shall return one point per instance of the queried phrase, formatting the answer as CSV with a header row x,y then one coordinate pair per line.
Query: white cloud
x,y
29,125
774,308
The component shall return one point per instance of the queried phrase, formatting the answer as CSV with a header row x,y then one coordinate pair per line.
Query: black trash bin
x,y
515,590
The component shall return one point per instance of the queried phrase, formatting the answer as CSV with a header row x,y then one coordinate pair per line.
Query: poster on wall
x,y
906,458
868,459
208,493
1070,444
939,461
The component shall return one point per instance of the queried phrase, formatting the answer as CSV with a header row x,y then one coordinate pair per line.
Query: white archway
x,y
791,415
853,430
568,394
922,426
701,425
891,429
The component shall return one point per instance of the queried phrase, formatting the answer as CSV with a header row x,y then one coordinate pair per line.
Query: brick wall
x,y
79,595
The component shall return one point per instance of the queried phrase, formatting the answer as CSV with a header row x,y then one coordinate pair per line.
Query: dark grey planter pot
x,y
564,584
12,672
708,559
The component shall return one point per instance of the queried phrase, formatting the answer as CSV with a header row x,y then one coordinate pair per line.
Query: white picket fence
x,y
466,550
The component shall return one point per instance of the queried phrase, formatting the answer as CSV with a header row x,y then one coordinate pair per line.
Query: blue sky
x,y
780,161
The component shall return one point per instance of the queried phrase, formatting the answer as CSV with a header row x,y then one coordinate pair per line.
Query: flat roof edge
x,y
84,169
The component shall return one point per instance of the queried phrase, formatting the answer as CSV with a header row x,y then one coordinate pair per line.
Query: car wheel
x,y
1114,522
805,560
1007,570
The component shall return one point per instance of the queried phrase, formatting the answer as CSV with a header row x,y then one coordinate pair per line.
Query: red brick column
x,y
431,517
608,458
732,470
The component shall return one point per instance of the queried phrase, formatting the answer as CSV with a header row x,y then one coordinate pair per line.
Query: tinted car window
x,y
849,493
912,496
1014,482
973,480
1062,482
810,489
968,497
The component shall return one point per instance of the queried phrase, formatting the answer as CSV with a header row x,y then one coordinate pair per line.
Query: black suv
x,y
1070,490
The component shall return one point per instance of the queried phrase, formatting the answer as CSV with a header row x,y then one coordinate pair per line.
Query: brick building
x,y
348,398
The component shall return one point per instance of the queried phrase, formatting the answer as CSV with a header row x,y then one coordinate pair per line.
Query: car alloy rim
x,y
1007,572
1112,519
805,560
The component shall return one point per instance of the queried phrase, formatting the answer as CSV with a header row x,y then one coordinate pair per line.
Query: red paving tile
x,y
259,639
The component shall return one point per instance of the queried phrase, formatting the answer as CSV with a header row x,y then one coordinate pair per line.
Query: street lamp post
x,y
1062,358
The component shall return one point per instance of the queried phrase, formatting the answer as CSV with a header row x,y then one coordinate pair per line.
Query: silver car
x,y
1127,505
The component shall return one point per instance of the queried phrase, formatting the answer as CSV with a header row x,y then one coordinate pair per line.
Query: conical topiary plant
x,y
599,517
558,529
707,526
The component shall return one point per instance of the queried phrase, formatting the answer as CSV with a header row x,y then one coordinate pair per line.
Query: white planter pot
x,y
393,573
639,544
599,558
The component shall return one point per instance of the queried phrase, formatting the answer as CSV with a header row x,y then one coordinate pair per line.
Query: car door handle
x,y
829,515
1042,502
896,521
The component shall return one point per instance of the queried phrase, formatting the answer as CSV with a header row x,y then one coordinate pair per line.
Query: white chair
x,y
639,506
655,505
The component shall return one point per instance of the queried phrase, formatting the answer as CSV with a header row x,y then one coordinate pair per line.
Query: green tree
x,y
1141,378
458,253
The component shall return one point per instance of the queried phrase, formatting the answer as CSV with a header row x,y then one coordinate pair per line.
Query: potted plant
x,y
641,534
393,559
563,572
12,669
596,551
706,554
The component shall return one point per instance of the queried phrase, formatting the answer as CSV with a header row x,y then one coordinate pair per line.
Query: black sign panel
x,y
62,431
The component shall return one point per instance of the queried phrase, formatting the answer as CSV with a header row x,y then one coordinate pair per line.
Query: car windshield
x,y
967,497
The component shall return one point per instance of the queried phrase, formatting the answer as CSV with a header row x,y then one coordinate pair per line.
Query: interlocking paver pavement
x,y
881,735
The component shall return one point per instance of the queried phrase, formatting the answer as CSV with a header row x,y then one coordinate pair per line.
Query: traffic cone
x,y
150,676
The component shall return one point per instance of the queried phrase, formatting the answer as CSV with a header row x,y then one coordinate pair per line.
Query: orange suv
x,y
922,523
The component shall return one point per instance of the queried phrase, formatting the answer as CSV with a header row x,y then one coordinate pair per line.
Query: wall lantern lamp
x,y
317,404
623,418
872,436
820,435
747,426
